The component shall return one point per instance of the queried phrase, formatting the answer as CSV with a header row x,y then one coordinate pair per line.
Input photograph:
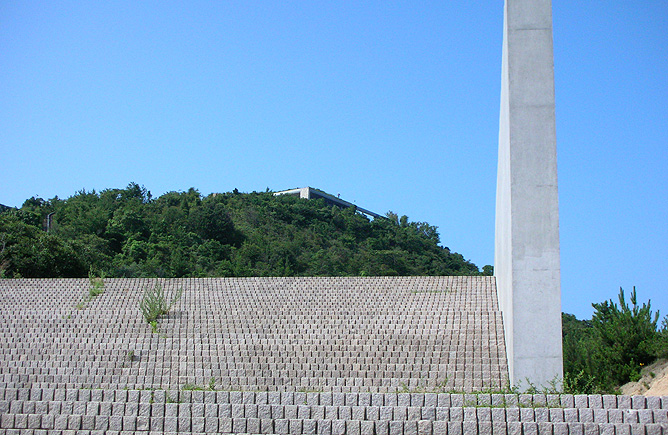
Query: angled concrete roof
x,y
312,193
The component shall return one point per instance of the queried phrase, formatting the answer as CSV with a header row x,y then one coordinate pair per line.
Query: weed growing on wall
x,y
96,284
154,303
96,289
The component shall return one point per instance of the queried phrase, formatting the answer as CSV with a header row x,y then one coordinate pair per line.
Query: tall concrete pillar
x,y
526,261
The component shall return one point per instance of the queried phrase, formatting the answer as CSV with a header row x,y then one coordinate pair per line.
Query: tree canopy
x,y
128,233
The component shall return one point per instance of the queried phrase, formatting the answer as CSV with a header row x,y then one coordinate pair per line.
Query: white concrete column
x,y
526,261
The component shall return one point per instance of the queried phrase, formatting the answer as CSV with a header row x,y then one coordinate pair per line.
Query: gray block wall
x,y
287,355
273,334
82,411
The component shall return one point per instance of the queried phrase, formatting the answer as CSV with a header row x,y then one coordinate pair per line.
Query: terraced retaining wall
x,y
118,411
278,355
281,334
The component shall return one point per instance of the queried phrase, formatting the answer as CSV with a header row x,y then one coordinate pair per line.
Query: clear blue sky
x,y
394,105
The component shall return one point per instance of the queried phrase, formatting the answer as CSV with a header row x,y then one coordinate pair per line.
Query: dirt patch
x,y
653,381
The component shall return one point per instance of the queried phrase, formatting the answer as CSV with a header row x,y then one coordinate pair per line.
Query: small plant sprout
x,y
212,384
96,284
191,387
154,303
96,288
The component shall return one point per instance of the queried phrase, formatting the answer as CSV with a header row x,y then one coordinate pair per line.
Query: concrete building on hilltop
x,y
311,193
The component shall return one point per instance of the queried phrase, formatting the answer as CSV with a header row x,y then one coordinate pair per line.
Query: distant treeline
x,y
128,233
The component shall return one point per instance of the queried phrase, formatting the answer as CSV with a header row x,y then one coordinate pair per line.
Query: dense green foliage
x,y
609,350
127,233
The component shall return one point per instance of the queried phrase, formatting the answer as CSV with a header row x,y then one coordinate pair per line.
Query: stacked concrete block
x,y
278,355
88,411
274,334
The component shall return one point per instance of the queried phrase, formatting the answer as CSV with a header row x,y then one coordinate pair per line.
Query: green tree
x,y
628,336
26,251
609,350
211,221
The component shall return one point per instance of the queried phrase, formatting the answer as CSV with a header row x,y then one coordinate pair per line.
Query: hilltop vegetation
x,y
128,233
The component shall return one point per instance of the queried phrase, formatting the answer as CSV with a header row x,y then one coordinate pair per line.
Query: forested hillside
x,y
127,233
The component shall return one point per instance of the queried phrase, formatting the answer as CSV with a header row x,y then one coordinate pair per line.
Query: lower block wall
x,y
115,411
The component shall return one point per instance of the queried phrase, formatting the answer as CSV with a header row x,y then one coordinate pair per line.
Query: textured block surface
x,y
346,335
278,355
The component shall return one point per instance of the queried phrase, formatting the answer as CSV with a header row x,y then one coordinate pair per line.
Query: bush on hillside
x,y
609,350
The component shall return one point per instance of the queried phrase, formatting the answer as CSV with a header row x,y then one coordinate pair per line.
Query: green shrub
x,y
662,341
155,304
604,353
96,284
627,336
